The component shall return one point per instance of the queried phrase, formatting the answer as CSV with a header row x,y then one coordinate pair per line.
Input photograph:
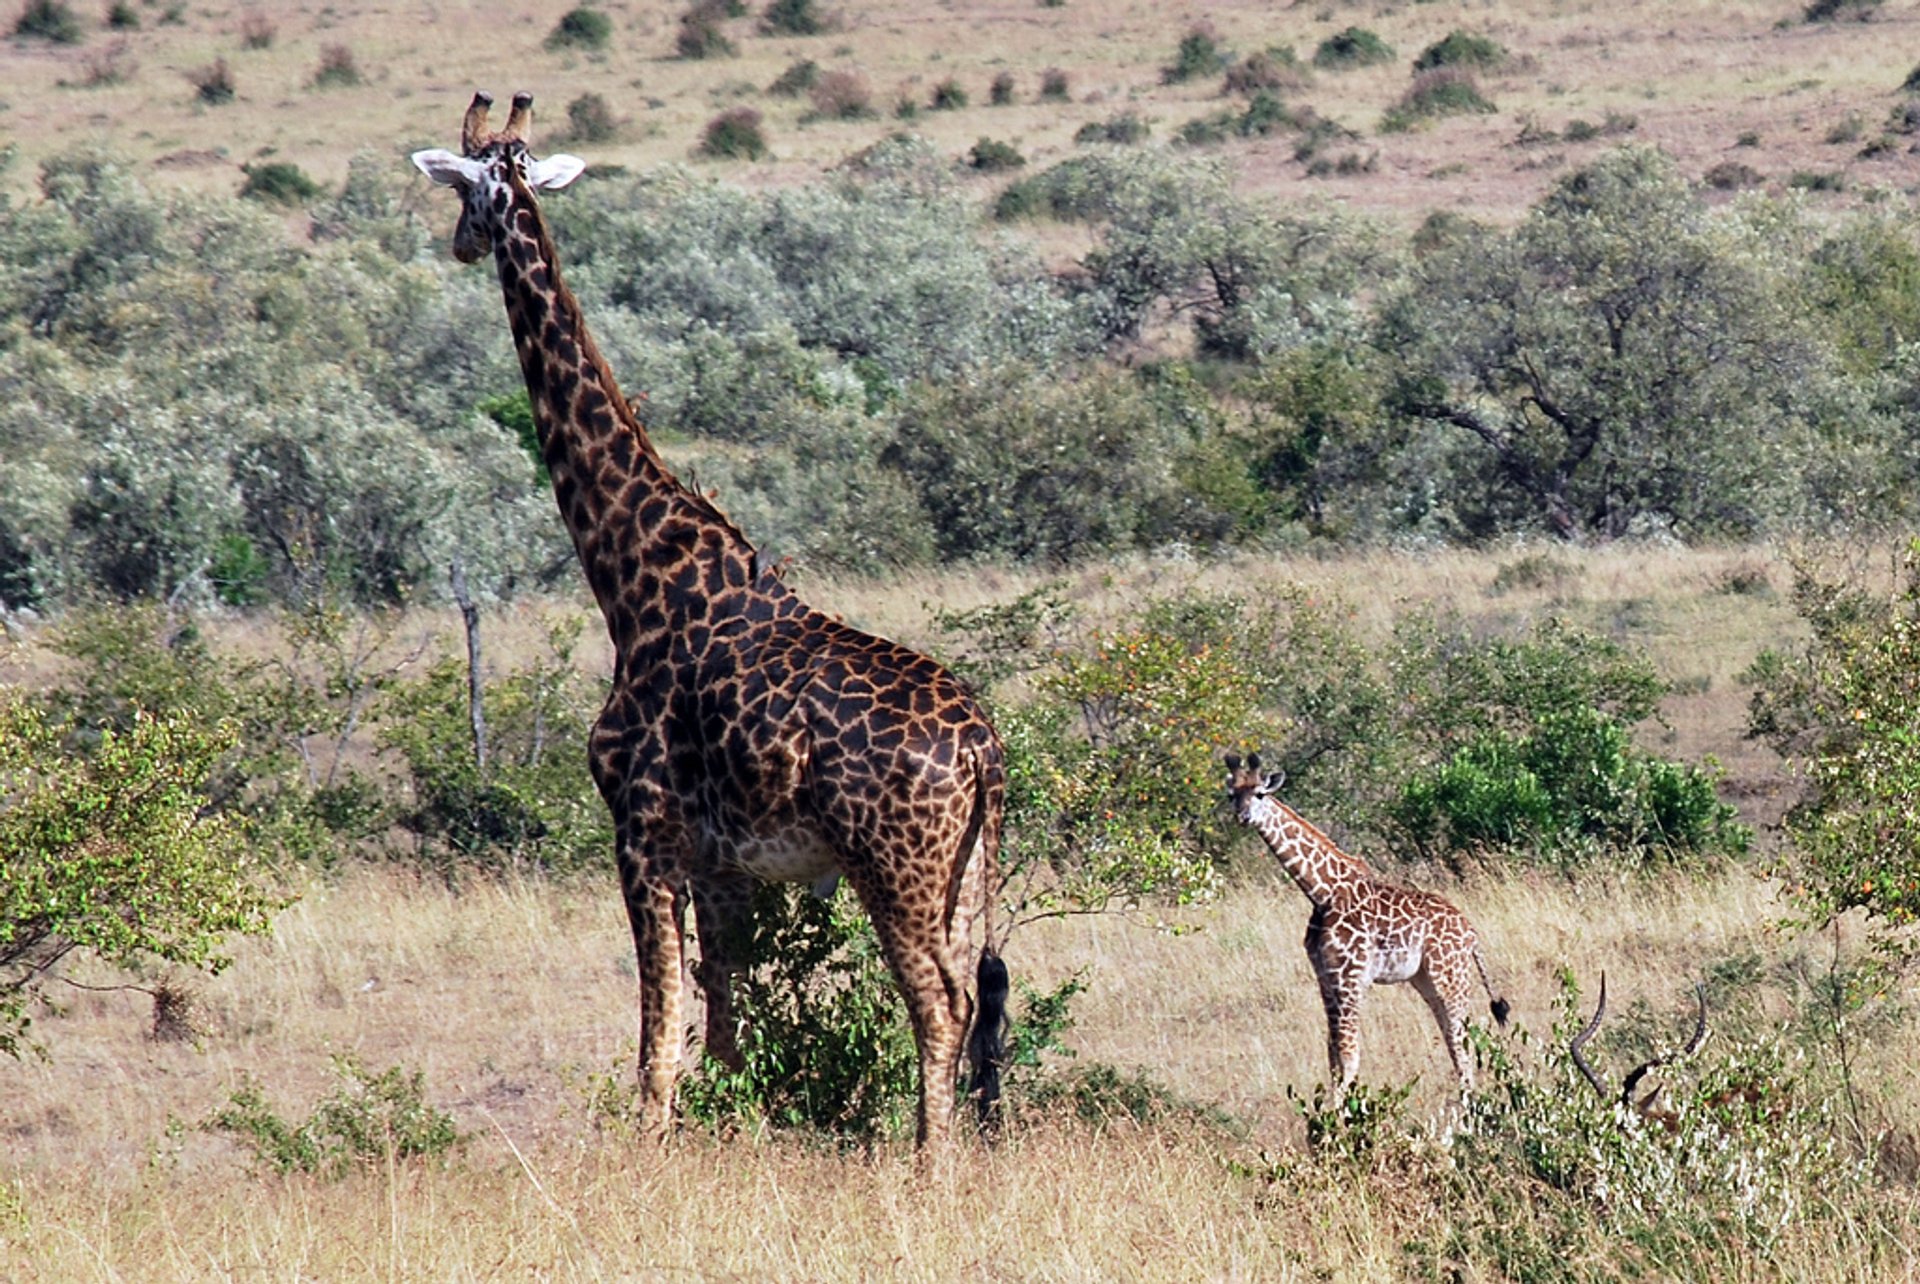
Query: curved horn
x,y
1580,1039
520,119
1693,1045
473,129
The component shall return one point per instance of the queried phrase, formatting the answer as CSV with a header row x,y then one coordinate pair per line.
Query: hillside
x,y
1749,83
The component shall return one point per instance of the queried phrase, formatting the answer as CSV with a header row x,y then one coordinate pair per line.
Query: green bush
x,y
1846,708
122,16
1053,86
1841,10
581,27
1199,55
338,69
1442,92
826,1044
50,20
114,851
841,95
948,95
1127,129
1273,71
531,806
1353,47
278,182
590,119
797,79
1459,49
793,18
1000,92
701,34
367,1123
991,156
213,83
734,134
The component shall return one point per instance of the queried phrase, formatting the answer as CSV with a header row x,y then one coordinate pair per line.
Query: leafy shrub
x,y
337,70
1273,71
991,156
1354,47
50,20
1847,707
948,95
1266,114
841,95
581,27
1911,84
1127,129
367,1123
1000,91
1808,180
590,119
794,18
531,806
735,134
1444,91
1199,55
213,84
1733,175
280,182
122,16
797,79
826,1044
114,851
1459,49
701,34
1841,10
1053,86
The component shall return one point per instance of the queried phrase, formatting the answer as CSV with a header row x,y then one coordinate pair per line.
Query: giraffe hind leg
x,y
1449,1007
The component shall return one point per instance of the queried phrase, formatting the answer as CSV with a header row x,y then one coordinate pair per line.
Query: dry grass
x,y
510,997
1694,74
513,1000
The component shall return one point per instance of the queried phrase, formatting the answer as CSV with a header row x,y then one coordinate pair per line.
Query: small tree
x,y
1847,710
49,20
734,134
581,28
114,853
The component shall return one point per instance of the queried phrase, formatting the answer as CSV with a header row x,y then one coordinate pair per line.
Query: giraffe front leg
x,y
655,908
723,914
1342,1002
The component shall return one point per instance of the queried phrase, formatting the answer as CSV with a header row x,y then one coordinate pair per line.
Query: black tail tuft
x,y
1500,1009
987,1045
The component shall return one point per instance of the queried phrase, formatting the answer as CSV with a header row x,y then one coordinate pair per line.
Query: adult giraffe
x,y
1365,931
747,735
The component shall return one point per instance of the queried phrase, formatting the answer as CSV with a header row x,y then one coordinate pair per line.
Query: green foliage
x,y
1847,709
122,16
532,806
991,156
1039,468
948,95
581,27
590,119
1128,129
1443,91
793,18
1461,49
112,850
338,69
51,20
1199,55
1353,47
278,183
368,1122
1000,91
1054,86
1841,10
1265,114
1273,71
735,134
213,84
1625,359
825,1042
701,34
796,80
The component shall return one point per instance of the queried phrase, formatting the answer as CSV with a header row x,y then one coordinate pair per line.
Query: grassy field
x,y
1748,82
515,1003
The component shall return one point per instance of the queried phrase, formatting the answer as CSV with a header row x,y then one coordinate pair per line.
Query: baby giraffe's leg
x,y
1447,1001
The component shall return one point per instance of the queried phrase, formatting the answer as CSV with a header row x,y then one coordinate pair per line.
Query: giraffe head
x,y
494,173
1246,782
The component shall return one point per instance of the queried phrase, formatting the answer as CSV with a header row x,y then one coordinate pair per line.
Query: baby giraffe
x,y
1365,931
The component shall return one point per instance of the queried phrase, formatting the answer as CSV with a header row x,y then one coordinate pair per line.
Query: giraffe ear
x,y
553,172
1271,785
445,168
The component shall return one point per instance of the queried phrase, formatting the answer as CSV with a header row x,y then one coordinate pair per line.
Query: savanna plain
x,y
1179,278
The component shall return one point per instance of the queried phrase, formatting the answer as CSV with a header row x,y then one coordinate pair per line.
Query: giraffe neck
x,y
615,492
1313,860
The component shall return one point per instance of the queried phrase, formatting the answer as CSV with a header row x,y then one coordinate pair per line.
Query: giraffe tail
x,y
987,1044
1500,1006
